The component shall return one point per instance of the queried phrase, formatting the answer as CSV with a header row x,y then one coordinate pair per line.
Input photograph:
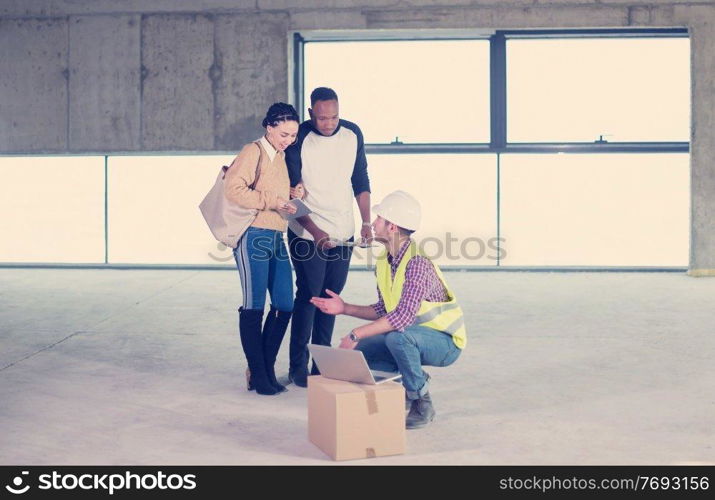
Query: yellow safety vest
x,y
443,316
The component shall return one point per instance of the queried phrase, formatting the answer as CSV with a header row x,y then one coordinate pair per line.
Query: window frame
x,y
498,87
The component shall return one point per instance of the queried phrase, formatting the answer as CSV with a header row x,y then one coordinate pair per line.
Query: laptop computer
x,y
348,365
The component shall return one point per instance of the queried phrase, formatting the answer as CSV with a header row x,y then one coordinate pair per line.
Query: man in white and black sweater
x,y
328,166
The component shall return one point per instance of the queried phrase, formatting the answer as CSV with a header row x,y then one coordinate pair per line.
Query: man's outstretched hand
x,y
334,305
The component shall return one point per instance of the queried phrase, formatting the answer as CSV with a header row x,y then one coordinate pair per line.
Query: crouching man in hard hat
x,y
416,320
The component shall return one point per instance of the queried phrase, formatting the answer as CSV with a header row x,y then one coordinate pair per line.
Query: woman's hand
x,y
298,191
283,207
334,305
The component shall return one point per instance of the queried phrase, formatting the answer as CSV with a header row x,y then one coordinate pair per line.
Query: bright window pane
x,y
52,209
458,198
419,91
154,215
595,210
574,90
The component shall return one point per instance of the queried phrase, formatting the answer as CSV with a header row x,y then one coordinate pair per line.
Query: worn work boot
x,y
421,413
408,401
274,330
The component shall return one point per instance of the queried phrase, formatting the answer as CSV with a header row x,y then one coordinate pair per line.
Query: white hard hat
x,y
400,208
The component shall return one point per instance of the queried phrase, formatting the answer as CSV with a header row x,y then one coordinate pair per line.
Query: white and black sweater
x,y
333,170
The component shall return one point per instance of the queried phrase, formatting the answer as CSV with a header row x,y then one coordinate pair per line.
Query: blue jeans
x,y
263,265
406,352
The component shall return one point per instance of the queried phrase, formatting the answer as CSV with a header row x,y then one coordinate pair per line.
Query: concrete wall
x,y
186,75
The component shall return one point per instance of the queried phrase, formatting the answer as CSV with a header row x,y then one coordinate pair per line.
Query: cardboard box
x,y
349,421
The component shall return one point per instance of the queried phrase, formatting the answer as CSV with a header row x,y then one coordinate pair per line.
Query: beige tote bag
x,y
226,220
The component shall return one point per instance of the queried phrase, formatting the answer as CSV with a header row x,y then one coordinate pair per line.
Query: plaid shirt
x,y
421,283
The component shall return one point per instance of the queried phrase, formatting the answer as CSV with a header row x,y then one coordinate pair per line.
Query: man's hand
x,y
322,239
298,191
366,234
334,305
346,343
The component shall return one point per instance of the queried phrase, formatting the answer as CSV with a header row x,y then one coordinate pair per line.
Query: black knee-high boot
x,y
249,326
274,330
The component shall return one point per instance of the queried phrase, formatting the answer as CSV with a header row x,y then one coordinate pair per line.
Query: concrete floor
x,y
145,367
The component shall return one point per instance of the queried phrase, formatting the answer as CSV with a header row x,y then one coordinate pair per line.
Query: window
x,y
580,90
153,210
595,209
423,91
53,209
459,205
608,111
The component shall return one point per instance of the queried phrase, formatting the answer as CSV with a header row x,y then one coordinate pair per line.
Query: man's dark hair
x,y
280,112
322,94
402,230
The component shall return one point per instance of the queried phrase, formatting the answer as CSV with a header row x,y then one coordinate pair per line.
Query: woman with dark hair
x,y
261,256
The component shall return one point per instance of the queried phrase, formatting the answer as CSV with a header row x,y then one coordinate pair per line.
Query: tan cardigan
x,y
272,183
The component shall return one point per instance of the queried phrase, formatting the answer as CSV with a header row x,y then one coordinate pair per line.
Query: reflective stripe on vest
x,y
443,316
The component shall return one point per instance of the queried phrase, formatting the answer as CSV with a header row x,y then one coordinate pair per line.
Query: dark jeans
x,y
315,270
